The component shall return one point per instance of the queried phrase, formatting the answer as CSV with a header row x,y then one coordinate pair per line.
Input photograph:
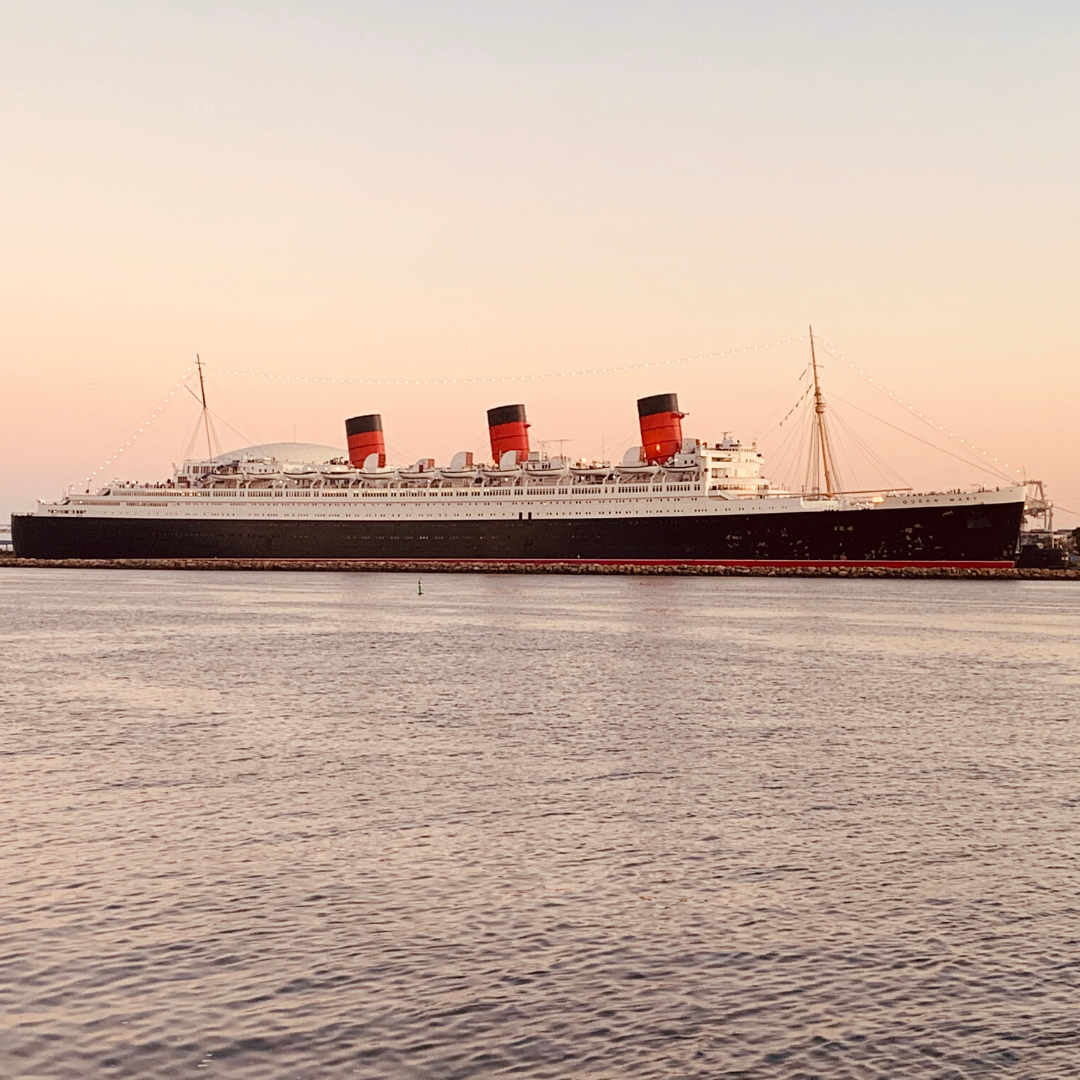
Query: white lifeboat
x,y
642,472
550,468
633,465
372,470
461,467
337,472
508,467
247,476
686,460
591,468
547,464
423,470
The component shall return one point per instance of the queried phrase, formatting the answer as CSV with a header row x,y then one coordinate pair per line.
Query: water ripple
x,y
318,826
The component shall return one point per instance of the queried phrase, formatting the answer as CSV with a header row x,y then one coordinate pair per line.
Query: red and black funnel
x,y
661,426
508,431
365,438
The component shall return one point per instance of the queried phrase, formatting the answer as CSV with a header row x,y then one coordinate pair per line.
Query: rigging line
x,y
761,434
803,451
878,463
400,450
806,394
149,415
476,447
847,457
975,464
255,441
812,473
884,469
512,378
616,440
793,431
781,472
780,404
967,444
218,416
144,423
795,436
798,477
782,467
805,430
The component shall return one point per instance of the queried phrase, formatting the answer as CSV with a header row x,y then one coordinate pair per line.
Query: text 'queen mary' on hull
x,y
671,500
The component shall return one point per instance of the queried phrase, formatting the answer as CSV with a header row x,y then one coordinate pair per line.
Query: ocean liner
x,y
671,500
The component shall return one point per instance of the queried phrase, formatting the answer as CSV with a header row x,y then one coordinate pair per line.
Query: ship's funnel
x,y
508,431
365,438
661,426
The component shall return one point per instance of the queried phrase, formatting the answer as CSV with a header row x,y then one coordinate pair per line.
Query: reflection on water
x,y
314,825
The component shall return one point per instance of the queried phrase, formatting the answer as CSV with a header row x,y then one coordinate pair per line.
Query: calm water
x,y
314,825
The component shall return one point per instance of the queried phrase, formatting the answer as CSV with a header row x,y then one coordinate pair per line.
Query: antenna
x,y
545,443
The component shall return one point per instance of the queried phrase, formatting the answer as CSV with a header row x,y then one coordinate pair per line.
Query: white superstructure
x,y
286,482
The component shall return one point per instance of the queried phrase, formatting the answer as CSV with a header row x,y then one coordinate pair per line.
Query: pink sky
x,y
431,191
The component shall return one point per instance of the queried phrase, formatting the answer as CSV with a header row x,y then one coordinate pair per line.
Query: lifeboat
x,y
461,467
677,466
602,468
552,467
633,465
644,471
686,460
248,476
424,470
371,469
507,469
337,472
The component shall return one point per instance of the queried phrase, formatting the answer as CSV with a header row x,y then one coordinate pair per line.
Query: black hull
x,y
983,535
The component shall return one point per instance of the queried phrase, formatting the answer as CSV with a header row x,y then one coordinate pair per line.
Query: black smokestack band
x,y
658,403
360,424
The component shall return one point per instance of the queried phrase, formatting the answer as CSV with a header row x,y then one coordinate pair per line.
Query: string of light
x,y
146,422
577,374
802,397
966,443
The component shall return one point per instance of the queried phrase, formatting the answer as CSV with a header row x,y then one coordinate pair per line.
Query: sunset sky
x,y
476,190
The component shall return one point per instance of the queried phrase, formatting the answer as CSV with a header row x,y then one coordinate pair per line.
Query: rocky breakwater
x,y
478,566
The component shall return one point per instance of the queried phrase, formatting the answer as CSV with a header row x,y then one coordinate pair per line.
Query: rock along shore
x,y
469,566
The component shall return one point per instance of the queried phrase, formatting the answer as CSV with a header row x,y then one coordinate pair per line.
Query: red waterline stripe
x,y
776,563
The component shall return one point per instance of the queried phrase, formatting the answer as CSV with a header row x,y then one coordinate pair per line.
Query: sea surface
x,y
319,825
